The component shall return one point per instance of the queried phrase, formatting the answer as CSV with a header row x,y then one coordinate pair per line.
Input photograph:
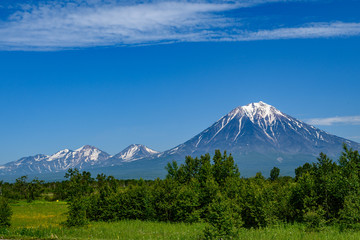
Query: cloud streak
x,y
80,24
353,120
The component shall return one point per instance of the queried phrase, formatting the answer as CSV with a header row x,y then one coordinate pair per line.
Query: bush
x,y
186,206
224,219
77,213
350,214
256,208
314,220
5,213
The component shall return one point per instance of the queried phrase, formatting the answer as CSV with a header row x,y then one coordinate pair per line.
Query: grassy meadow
x,y
42,220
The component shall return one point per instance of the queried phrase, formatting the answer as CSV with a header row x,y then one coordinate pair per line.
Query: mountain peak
x,y
134,152
90,154
85,147
258,106
140,146
59,154
135,145
258,111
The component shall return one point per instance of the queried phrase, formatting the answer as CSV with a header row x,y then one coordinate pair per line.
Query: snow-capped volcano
x,y
261,128
90,154
80,158
135,152
132,153
62,160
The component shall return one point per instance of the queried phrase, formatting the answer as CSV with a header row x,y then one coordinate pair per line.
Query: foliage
x,y
5,213
80,184
224,219
314,220
80,187
274,174
77,213
350,214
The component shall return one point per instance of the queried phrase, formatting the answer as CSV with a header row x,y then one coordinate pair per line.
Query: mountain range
x,y
85,157
258,136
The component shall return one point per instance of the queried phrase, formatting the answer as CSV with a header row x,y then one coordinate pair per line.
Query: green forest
x,y
209,191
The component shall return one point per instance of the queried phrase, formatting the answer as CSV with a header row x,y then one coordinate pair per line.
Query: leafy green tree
x,y
21,187
61,190
77,213
224,167
99,205
5,213
256,203
34,189
274,174
349,163
303,196
205,169
80,184
172,170
300,171
165,193
324,174
278,195
350,214
187,203
224,219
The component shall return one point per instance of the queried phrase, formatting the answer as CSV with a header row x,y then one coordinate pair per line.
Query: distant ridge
x,y
81,158
258,135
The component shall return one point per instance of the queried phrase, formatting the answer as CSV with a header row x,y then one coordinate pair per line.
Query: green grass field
x,y
42,220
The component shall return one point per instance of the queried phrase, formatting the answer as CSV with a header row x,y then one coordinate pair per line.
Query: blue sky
x,y
113,73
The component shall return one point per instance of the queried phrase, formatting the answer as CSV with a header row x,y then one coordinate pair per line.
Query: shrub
x,y
5,213
77,213
350,214
224,219
186,206
314,220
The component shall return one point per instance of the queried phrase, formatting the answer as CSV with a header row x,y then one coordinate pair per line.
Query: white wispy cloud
x,y
354,137
353,120
76,24
313,30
